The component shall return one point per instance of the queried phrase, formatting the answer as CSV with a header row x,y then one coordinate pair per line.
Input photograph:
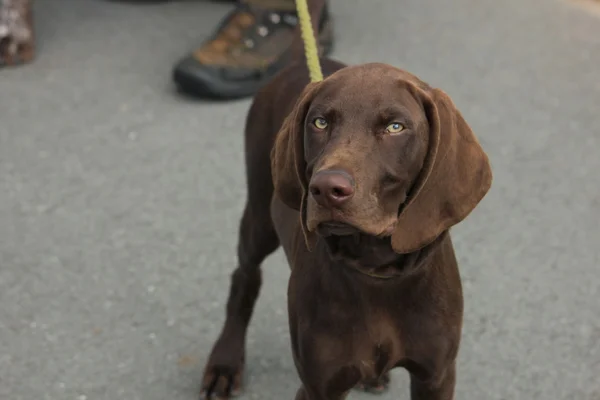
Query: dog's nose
x,y
331,188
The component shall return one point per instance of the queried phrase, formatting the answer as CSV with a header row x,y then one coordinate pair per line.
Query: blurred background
x,y
120,198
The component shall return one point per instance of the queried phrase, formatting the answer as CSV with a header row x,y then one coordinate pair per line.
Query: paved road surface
x,y
119,200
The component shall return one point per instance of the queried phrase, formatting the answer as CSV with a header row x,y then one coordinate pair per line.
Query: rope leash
x,y
316,74
310,43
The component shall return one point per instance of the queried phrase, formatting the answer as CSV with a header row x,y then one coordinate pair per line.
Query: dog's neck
x,y
375,257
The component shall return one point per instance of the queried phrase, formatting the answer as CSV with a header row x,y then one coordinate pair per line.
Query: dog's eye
x,y
320,123
394,127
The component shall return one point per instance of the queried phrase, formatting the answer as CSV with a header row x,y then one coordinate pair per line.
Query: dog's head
x,y
372,149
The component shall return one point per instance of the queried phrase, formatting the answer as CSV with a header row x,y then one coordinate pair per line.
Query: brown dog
x,y
359,177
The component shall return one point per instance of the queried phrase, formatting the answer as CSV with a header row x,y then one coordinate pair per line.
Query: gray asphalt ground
x,y
120,200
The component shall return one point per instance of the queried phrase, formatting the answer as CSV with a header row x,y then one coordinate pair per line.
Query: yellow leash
x,y
310,43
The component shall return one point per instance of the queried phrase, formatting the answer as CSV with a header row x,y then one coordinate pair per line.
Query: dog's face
x,y
364,146
373,150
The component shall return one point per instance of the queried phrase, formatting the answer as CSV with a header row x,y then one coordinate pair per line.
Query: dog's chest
x,y
379,346
351,319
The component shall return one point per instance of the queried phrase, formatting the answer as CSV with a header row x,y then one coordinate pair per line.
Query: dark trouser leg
x,y
16,32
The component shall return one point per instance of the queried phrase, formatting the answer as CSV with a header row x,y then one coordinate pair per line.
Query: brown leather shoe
x,y
248,48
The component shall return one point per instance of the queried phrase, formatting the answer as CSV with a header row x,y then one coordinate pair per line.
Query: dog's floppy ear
x,y
455,177
288,167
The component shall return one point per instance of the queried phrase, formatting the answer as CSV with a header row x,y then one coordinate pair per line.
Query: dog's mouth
x,y
335,228
339,228
350,242
346,242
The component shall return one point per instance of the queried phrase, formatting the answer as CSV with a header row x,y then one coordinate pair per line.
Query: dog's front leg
x,y
224,370
437,389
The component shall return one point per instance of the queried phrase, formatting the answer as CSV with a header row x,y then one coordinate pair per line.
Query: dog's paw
x,y
222,382
375,386
224,371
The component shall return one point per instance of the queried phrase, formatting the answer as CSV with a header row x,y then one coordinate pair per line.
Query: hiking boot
x,y
250,45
